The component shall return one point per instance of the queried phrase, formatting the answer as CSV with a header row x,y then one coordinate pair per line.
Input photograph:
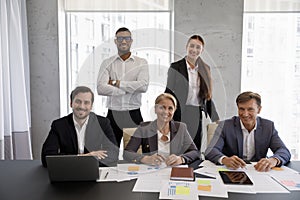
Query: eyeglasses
x,y
126,38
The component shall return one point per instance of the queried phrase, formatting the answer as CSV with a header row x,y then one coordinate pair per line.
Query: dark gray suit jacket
x,y
62,138
228,141
146,135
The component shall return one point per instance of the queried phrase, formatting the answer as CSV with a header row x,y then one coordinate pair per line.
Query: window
x,y
90,32
270,64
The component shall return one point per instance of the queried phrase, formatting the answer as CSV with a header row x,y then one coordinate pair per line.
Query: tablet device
x,y
72,168
235,178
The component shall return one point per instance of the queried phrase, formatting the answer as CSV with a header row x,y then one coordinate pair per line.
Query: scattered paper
x,y
211,188
290,182
178,190
151,182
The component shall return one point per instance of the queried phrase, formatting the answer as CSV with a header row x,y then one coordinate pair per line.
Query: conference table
x,y
28,180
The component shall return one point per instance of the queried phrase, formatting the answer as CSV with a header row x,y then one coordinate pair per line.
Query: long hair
x,y
196,37
204,73
205,80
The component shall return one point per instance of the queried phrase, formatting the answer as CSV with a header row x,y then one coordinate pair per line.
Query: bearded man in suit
x,y
82,132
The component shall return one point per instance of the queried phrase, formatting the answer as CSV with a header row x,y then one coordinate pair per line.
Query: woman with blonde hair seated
x,y
163,140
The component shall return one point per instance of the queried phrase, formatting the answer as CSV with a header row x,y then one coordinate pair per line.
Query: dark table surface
x,y
28,180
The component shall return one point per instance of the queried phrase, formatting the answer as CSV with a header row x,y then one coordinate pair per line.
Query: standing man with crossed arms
x,y
123,78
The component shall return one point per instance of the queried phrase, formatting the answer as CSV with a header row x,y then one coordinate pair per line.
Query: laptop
x,y
72,168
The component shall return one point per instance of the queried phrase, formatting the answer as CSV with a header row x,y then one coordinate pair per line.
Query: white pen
x,y
209,173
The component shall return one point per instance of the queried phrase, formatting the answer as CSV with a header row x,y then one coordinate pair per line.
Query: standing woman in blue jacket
x,y
189,80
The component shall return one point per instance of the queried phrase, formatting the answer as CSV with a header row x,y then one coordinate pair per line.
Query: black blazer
x,y
62,138
178,86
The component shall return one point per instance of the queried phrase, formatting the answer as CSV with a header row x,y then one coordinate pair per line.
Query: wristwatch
x,y
114,82
182,160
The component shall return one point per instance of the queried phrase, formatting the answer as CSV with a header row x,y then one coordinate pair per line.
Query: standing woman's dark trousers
x,y
123,119
192,116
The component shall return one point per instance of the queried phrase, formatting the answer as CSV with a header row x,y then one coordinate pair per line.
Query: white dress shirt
x,y
133,74
248,142
163,146
194,86
80,131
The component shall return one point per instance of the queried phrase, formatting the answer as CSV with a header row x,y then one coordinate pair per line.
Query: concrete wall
x,y
44,68
218,21
220,24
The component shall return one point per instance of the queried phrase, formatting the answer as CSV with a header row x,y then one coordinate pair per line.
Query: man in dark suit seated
x,y
247,137
82,132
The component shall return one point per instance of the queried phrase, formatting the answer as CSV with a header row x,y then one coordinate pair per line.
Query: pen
x,y
199,175
210,174
163,158
106,175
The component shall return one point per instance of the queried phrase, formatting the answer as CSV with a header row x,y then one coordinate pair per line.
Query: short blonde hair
x,y
166,96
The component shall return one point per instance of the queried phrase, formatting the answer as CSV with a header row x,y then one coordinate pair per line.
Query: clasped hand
x,y
233,162
263,165
101,154
157,159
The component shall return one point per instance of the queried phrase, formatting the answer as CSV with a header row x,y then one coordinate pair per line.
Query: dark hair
x,y
205,74
81,89
196,37
166,96
122,29
246,96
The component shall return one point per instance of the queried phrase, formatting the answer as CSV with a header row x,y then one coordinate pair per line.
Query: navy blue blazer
x,y
181,143
228,141
62,138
